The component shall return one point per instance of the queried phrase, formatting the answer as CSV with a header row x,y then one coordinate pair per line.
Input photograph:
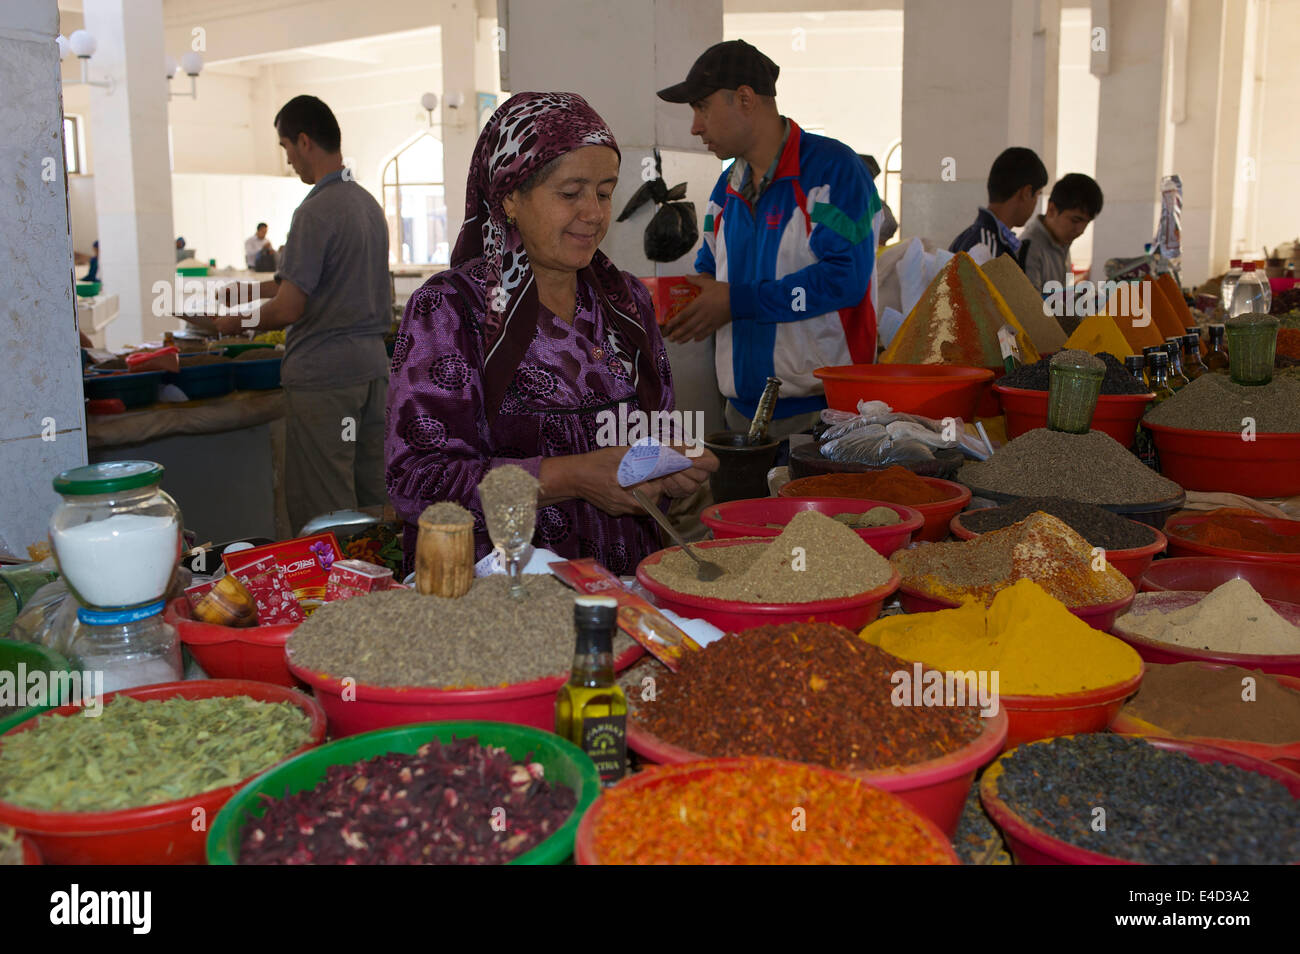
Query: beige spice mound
x,y
1232,618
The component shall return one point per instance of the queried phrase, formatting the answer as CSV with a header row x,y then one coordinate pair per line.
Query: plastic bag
x,y
874,446
672,231
48,619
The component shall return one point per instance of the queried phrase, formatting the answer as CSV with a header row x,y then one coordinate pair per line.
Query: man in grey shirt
x,y
332,292
1074,202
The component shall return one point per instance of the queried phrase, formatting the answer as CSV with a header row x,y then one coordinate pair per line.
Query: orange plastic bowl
x,y
937,788
586,850
1157,652
162,834
749,518
937,515
929,390
1268,466
1132,562
1273,581
732,616
1116,414
229,652
1285,754
1074,713
1102,616
1180,545
1033,846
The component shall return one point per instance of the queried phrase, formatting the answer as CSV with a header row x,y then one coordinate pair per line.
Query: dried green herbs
x,y
11,849
140,753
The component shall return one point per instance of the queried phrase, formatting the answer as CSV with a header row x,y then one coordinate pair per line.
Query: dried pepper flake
x,y
762,811
454,803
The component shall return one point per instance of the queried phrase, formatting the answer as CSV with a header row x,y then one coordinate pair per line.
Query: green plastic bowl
x,y
192,271
35,658
89,289
564,764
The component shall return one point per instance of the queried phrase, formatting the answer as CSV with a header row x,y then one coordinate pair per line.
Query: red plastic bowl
x,y
937,514
228,652
1180,546
1116,414
1102,616
162,834
929,390
586,852
1268,466
31,854
1033,846
1132,562
937,789
1157,652
378,707
1273,581
748,518
1285,754
732,616
1074,713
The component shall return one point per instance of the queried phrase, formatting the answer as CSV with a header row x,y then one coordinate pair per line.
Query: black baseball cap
x,y
727,65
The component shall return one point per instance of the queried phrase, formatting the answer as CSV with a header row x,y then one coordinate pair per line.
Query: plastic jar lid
x,y
108,477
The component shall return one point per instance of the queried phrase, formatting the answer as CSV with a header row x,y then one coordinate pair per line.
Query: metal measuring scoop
x,y
705,571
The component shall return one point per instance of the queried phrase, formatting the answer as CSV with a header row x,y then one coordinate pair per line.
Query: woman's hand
x,y
593,477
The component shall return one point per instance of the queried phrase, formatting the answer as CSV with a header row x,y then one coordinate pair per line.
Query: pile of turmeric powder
x,y
1036,645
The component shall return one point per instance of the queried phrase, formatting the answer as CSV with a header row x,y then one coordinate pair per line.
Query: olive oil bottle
x,y
591,710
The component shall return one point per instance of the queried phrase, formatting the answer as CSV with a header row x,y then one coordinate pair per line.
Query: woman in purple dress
x,y
512,355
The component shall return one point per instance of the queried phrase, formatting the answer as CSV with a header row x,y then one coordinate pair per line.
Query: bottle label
x,y
605,740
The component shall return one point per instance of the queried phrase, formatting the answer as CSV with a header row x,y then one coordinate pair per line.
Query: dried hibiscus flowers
x,y
457,803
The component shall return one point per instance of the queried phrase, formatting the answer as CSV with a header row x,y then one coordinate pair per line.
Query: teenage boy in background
x,y
1016,180
1075,201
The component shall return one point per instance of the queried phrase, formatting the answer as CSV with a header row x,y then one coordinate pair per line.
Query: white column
x,y
41,426
1230,174
458,32
133,195
1132,129
617,54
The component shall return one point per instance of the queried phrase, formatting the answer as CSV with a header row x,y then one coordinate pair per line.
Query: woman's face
x,y
565,217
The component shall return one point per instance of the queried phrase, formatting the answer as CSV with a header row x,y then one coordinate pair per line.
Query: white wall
x,y
1076,142
1277,217
216,213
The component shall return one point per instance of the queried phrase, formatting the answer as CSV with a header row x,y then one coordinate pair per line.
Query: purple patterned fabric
x,y
474,386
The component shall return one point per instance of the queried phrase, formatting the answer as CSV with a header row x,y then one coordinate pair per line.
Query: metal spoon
x,y
705,571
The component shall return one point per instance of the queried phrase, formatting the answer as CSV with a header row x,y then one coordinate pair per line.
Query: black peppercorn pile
x,y
1037,376
1160,807
1099,527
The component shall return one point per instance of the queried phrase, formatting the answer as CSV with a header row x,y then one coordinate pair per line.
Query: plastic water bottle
x,y
1229,285
1249,295
1268,289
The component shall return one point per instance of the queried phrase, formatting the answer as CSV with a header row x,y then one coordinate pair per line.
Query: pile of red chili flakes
x,y
448,804
807,692
759,812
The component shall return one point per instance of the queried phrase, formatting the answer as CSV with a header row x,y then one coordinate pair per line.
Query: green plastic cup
x,y
33,658
1074,384
1252,347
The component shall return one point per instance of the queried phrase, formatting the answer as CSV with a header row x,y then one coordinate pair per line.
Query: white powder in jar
x,y
122,561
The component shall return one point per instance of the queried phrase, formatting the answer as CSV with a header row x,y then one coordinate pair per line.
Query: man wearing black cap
x,y
789,244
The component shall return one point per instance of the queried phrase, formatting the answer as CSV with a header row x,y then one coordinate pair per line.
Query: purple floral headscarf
x,y
526,132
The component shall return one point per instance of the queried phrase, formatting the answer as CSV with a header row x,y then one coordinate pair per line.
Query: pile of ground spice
x,y
1232,618
1214,403
484,638
1237,528
1039,548
1191,699
1288,342
1091,468
1035,645
814,558
1099,527
1161,807
200,360
807,692
766,812
260,354
1037,377
894,484
446,513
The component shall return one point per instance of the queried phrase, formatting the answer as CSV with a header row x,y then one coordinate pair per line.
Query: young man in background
x,y
1016,180
1075,201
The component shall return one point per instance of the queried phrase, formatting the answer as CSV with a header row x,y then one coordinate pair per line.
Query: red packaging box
x,y
267,584
348,578
196,592
670,295
305,562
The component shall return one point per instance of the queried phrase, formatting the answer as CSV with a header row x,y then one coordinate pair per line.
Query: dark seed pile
x,y
1213,403
1099,527
1037,376
1090,468
1160,807
404,638
453,804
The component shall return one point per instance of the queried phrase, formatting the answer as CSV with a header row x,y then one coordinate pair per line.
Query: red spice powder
x,y
894,484
1238,528
1288,342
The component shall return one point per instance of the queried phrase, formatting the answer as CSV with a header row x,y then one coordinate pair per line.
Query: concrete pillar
x,y
617,54
458,33
977,78
133,197
1131,133
42,429
1229,173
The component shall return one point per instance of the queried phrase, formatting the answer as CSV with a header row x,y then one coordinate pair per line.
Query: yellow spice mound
x,y
1037,646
